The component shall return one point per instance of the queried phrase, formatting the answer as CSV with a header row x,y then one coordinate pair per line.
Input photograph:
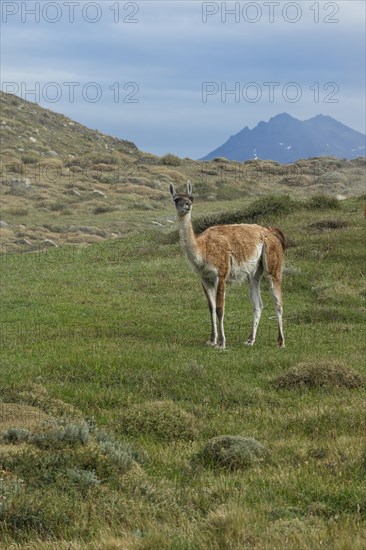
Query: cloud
x,y
169,53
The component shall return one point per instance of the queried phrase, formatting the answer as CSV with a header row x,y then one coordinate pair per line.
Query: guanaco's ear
x,y
189,189
172,190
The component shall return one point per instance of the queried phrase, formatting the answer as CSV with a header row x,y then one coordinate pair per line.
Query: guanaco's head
x,y
182,201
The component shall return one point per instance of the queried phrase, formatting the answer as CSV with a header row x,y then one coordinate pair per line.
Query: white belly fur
x,y
241,271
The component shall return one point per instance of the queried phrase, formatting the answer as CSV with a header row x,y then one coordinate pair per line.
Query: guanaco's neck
x,y
189,241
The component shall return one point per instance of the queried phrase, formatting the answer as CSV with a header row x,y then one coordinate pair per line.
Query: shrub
x,y
162,419
68,435
272,205
231,451
220,159
57,206
104,158
110,177
170,160
315,375
15,435
85,479
103,209
119,452
322,202
30,158
261,210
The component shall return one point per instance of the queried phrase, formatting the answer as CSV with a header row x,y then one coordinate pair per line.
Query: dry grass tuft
x,y
19,415
34,397
317,375
162,419
233,452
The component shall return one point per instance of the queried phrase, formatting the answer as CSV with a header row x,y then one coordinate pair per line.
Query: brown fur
x,y
227,253
280,236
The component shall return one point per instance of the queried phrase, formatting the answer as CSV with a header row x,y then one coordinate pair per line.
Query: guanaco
x,y
228,253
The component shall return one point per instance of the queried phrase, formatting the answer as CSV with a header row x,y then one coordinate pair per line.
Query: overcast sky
x,y
181,77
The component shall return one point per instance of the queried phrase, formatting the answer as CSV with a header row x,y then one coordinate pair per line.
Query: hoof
x,y
211,344
249,342
281,341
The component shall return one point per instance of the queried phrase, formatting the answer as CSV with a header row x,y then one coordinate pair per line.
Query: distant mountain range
x,y
286,139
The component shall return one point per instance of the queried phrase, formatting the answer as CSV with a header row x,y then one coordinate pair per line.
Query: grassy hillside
x,y
110,399
63,183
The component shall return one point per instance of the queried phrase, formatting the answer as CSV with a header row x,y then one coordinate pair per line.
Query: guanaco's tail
x,y
280,236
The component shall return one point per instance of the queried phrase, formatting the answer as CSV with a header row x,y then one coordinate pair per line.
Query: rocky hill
x,y
62,183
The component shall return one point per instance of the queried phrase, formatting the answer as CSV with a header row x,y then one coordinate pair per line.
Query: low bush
x,y
322,202
30,158
84,479
315,375
68,435
232,452
162,419
262,210
15,435
170,160
103,209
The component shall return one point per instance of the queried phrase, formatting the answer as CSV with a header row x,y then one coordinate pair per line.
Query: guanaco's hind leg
x,y
255,296
273,260
220,311
275,287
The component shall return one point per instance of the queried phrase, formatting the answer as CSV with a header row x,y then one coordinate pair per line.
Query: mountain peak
x,y
282,116
287,139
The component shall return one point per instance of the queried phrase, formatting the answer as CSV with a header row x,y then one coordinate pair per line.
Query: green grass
x,y
115,333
